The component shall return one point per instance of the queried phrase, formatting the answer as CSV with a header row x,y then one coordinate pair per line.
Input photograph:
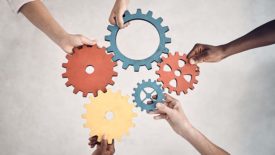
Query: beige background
x,y
233,104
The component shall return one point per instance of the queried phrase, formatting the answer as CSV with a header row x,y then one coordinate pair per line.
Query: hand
x,y
206,53
69,41
172,112
116,16
102,148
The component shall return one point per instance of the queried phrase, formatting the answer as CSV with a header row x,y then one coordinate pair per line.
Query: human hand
x,y
206,53
173,113
103,148
116,16
68,41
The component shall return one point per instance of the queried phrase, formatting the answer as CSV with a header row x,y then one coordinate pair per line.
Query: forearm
x,y
261,36
201,143
38,15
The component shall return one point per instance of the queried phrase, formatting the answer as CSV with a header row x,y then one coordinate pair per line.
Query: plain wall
x,y
233,103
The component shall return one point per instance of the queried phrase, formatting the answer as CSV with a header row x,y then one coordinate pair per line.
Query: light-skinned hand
x,y
69,41
172,112
116,16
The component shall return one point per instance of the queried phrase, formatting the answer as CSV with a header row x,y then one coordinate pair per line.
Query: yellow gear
x,y
100,106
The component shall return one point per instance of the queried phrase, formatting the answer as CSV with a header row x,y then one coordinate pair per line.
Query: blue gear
x,y
144,62
148,95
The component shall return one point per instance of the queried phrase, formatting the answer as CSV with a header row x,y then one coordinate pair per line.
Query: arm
x,y
116,16
38,14
172,112
261,36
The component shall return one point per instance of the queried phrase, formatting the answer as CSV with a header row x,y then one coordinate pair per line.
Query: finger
x,y
103,144
93,141
112,19
164,109
199,58
169,98
119,19
150,102
111,147
194,51
161,116
154,112
87,41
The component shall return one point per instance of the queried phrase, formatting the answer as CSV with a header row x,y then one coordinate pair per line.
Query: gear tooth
x,y
167,40
157,72
112,82
149,80
68,83
64,75
139,12
143,81
104,90
125,65
110,49
165,29
149,13
134,90
176,53
127,13
159,20
115,73
115,58
110,28
148,66
136,68
110,141
64,65
107,38
178,92
84,94
75,90
68,56
83,116
85,126
95,93
166,50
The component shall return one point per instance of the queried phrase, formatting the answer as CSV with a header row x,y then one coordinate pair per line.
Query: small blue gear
x,y
155,57
141,102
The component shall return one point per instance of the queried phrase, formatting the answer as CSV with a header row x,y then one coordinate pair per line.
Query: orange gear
x,y
182,84
83,57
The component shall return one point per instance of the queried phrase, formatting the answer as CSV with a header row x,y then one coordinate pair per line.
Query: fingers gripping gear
x,y
155,57
143,88
84,57
182,84
118,125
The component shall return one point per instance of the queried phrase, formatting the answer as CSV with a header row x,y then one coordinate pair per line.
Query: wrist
x,y
185,129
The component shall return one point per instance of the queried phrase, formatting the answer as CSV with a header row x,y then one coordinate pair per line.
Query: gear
x,y
97,116
182,85
84,57
144,62
143,88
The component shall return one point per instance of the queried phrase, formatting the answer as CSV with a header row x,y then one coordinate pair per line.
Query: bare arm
x,y
38,15
261,36
173,113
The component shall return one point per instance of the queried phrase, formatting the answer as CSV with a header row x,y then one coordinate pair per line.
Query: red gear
x,y
181,83
76,70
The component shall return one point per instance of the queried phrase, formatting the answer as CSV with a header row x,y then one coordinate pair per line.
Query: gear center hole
x,y
138,41
147,95
89,69
109,115
177,72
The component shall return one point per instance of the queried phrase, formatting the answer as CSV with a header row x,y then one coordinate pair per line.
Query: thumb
x,y
164,109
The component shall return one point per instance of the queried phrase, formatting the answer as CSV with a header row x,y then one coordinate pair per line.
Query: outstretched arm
x,y
261,36
172,112
38,14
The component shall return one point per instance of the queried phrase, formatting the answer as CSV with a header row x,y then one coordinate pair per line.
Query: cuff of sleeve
x,y
17,4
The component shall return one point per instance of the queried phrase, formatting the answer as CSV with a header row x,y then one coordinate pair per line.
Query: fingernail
x,y
192,61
